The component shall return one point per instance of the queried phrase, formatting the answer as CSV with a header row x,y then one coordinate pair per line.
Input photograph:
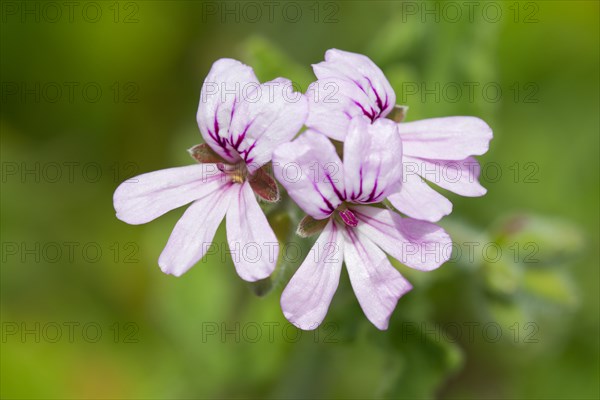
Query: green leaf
x,y
541,240
270,62
550,285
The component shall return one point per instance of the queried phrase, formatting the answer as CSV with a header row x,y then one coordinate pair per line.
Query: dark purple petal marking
x,y
357,83
233,108
222,142
370,115
373,195
247,151
382,105
374,190
335,189
242,136
360,188
330,206
378,98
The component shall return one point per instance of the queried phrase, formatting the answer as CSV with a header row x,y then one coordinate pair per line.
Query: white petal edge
x,y
307,297
417,244
225,86
376,283
194,232
417,200
311,172
372,160
148,196
271,115
460,177
252,242
449,138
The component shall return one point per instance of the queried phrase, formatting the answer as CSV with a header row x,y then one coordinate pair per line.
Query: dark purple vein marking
x,y
335,189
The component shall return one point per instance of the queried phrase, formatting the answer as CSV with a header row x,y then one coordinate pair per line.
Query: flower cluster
x,y
349,177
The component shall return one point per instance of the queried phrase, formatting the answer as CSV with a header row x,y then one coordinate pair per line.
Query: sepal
x,y
310,226
204,154
264,186
398,113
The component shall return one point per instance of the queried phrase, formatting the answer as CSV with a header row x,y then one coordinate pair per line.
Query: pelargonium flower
x,y
339,197
242,121
438,149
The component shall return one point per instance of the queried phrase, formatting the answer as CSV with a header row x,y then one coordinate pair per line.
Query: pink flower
x,y
242,121
336,193
439,149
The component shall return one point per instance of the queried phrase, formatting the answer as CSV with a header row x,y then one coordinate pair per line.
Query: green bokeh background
x,y
154,55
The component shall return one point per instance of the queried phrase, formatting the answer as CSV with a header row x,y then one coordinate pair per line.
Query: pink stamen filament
x,y
348,217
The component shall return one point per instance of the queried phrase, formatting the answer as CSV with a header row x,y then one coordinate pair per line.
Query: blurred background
x,y
96,92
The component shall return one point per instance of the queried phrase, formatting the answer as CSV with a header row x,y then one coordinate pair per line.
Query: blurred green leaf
x,y
269,62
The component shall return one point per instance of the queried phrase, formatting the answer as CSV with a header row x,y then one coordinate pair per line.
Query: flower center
x,y
236,172
348,217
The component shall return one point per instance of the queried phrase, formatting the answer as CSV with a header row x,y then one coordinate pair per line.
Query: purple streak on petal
x,y
335,189
216,122
372,194
242,136
247,152
357,83
382,105
222,142
327,202
365,112
360,188
378,99
233,108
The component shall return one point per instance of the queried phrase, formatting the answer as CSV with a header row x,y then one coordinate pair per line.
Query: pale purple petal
x,y
376,283
146,197
461,177
252,242
450,138
307,296
417,200
418,244
194,232
271,114
332,103
226,84
372,160
311,172
360,70
348,85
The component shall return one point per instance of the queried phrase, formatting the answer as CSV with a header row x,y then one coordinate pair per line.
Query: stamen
x,y
237,173
348,217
